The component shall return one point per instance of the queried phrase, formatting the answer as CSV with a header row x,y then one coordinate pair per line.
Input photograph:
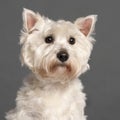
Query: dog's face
x,y
57,50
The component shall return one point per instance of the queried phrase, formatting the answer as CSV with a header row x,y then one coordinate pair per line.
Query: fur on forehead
x,y
61,28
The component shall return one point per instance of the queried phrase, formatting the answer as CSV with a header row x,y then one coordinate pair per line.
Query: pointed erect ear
x,y
29,19
86,24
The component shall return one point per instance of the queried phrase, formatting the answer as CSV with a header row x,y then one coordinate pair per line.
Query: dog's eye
x,y
49,39
72,41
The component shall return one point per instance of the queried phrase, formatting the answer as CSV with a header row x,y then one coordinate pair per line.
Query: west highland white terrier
x,y
57,53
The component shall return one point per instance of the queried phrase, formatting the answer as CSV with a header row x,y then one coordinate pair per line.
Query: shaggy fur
x,y
53,90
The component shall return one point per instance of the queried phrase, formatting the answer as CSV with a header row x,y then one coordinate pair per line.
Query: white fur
x,y
53,90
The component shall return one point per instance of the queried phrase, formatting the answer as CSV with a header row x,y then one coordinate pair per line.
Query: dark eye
x,y
72,41
49,39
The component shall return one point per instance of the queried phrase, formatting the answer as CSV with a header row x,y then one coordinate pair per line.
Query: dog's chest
x,y
53,103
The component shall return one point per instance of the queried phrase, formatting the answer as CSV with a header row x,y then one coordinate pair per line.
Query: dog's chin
x,y
60,68
61,72
58,71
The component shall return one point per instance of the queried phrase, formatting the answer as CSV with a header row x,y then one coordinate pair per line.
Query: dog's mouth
x,y
61,67
59,70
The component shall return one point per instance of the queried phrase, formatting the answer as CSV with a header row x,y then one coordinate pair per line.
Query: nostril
x,y
62,56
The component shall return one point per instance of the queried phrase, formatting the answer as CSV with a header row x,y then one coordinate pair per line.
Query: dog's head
x,y
57,50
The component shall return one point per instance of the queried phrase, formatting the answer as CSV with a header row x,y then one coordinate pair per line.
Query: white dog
x,y
57,53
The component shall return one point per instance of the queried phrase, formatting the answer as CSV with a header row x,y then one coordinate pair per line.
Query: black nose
x,y
62,56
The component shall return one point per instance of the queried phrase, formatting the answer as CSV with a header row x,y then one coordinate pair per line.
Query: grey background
x,y
102,82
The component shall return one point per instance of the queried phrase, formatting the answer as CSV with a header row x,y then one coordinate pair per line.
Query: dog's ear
x,y
29,19
86,24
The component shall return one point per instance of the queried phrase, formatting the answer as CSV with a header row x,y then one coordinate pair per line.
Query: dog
x,y
57,53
